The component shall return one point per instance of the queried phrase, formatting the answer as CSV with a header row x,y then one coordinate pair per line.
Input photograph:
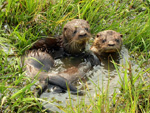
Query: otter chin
x,y
107,41
111,50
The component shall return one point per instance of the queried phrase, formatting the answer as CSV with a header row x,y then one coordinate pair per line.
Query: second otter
x,y
107,41
106,47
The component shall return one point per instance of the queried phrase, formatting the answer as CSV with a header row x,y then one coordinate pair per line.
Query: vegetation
x,y
24,21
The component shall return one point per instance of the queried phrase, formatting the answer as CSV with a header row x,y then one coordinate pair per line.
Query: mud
x,y
99,79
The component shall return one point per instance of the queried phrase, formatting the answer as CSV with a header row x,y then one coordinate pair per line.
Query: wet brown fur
x,y
107,41
107,47
34,65
76,34
40,57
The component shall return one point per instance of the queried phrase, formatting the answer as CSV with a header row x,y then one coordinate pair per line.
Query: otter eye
x,y
86,29
75,31
117,40
104,40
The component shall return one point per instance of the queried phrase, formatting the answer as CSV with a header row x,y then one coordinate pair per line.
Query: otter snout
x,y
111,43
82,33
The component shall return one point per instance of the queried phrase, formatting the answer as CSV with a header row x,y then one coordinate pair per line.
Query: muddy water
x,y
99,79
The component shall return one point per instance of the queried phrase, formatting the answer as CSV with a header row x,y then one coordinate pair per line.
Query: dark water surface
x,y
100,78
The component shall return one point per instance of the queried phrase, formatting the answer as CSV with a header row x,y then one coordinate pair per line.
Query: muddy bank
x,y
99,79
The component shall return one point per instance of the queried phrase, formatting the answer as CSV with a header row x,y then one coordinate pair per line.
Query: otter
x,y
107,41
39,59
107,46
73,40
42,54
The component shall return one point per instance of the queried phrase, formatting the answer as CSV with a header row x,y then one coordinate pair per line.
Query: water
x,y
98,80
104,76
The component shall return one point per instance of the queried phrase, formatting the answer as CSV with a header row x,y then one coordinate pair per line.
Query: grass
x,y
25,21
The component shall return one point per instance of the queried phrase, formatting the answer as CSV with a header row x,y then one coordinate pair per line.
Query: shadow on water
x,y
99,76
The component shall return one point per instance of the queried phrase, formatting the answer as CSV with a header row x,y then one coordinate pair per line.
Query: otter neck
x,y
73,47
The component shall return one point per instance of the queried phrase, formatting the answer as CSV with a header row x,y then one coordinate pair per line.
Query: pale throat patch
x,y
87,46
94,49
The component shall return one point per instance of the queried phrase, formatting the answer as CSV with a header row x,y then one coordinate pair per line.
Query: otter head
x,y
108,41
76,34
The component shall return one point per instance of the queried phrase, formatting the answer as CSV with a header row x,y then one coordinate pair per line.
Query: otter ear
x,y
65,28
98,35
121,35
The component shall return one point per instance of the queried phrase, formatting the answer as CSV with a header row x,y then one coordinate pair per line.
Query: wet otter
x,y
40,57
76,34
107,46
107,41
98,73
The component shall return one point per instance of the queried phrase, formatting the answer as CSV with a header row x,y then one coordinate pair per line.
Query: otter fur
x,y
107,46
40,57
107,41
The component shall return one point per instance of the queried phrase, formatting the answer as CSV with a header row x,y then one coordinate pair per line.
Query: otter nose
x,y
111,43
82,33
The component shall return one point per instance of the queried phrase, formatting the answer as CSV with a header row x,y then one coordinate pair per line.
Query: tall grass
x,y
29,20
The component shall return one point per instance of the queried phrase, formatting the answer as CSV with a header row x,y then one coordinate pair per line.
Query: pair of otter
x,y
76,34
